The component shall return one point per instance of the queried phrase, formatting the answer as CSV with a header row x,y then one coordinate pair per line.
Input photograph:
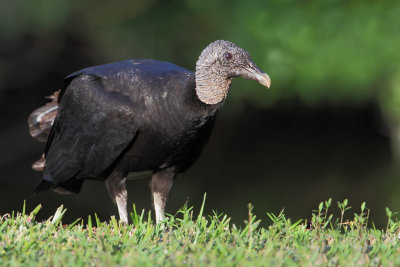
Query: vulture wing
x,y
93,128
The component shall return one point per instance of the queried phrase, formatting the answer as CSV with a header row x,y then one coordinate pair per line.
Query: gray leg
x,y
161,183
116,186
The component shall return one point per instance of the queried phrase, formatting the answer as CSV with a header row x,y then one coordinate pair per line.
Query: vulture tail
x,y
41,119
40,122
42,187
39,164
66,188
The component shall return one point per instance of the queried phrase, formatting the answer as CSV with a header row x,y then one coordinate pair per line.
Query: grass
x,y
195,239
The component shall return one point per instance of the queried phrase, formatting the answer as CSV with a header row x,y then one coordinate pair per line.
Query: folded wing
x,y
93,128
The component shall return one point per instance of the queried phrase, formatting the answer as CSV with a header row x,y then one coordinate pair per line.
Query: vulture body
x,y
135,115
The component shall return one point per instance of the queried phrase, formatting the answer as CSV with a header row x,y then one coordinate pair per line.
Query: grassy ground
x,y
189,239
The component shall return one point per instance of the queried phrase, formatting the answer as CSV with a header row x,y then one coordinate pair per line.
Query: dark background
x,y
328,127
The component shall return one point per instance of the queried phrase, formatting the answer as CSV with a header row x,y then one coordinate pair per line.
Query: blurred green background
x,y
328,127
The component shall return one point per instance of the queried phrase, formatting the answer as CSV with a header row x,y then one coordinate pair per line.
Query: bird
x,y
135,115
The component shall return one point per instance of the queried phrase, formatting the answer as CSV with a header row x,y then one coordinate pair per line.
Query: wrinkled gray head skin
x,y
218,64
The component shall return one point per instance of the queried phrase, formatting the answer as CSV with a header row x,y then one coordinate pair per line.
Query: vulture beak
x,y
253,72
263,79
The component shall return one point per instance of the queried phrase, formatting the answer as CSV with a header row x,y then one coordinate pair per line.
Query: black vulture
x,y
135,115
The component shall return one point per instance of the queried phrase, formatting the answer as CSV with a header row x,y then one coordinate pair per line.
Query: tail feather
x,y
42,187
39,164
41,120
68,187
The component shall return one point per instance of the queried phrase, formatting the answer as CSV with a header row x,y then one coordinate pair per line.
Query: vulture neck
x,y
211,87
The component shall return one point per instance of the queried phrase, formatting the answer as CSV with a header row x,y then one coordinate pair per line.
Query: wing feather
x,y
94,125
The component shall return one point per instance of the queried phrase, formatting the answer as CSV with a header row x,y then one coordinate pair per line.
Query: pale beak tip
x,y
265,80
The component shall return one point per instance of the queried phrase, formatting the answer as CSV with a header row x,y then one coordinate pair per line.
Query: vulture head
x,y
218,64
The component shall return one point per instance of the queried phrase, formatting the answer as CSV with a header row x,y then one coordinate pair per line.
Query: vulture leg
x,y
116,186
161,183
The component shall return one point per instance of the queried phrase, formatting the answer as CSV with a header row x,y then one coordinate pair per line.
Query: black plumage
x,y
138,115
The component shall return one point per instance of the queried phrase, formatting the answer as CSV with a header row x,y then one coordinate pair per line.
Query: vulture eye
x,y
228,56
